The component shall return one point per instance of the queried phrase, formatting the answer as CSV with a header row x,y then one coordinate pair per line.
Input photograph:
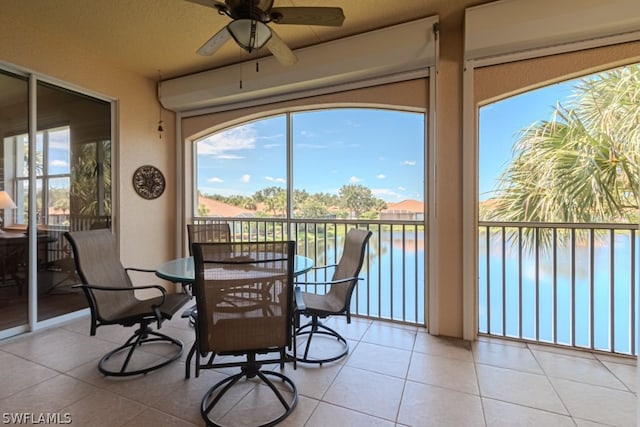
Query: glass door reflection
x,y
71,161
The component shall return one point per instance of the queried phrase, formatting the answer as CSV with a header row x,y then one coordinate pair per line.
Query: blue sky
x,y
382,150
58,154
500,123
375,148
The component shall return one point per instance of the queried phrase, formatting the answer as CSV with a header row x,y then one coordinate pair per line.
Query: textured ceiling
x,y
148,36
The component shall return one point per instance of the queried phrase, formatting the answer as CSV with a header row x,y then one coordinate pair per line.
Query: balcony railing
x,y
394,268
566,284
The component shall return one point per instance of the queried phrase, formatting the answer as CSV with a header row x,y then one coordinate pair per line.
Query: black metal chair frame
x,y
315,326
143,335
249,368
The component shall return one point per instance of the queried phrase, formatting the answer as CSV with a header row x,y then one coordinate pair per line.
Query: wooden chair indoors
x,y
336,301
112,300
244,297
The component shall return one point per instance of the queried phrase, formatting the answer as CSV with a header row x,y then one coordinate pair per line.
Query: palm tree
x,y
583,165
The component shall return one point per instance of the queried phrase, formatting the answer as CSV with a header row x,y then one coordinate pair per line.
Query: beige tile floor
x,y
394,376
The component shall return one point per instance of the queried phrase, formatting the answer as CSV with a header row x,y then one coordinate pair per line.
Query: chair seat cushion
x,y
322,304
172,304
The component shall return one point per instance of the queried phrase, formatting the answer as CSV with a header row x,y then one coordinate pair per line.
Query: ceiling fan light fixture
x,y
249,34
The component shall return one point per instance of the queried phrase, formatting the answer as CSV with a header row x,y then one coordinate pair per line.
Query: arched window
x,y
348,163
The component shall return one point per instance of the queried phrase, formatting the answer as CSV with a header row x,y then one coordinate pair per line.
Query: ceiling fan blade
x,y
215,42
280,50
326,16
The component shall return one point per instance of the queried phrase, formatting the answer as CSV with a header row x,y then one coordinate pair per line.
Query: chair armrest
x,y
300,305
122,288
323,267
329,282
143,270
154,307
127,288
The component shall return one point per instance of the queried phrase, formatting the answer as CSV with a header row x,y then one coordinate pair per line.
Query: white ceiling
x,y
152,36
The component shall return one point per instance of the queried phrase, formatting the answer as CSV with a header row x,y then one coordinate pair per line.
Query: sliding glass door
x,y
14,289
68,167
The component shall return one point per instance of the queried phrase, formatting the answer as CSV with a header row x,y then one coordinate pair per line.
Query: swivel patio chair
x,y
112,300
336,301
202,233
244,297
208,233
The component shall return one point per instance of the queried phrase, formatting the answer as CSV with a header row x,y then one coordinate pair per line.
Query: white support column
x,y
431,263
469,207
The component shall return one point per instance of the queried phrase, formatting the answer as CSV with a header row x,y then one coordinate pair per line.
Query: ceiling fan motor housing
x,y
257,10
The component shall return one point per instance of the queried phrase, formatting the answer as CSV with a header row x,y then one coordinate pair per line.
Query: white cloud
x,y
401,188
229,157
409,163
59,163
315,146
354,179
246,178
387,194
274,136
272,179
215,179
381,176
221,144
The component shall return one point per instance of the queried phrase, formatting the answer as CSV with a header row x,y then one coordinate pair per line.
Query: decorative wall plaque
x,y
148,182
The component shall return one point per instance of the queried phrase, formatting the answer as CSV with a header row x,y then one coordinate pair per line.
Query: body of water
x,y
601,287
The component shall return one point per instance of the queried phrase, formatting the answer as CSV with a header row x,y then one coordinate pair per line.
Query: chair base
x,y
142,336
213,396
315,327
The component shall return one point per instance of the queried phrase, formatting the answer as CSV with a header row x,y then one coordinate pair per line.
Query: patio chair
x,y
202,233
336,301
112,300
208,233
244,297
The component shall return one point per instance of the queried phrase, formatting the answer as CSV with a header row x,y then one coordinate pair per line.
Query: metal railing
x,y
566,284
394,268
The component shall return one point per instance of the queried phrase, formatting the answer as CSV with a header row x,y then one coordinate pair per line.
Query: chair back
x,y
243,295
208,233
350,264
97,263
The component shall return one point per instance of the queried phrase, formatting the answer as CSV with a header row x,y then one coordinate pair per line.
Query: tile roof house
x,y
405,210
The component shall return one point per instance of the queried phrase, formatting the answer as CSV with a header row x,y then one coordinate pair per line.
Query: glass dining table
x,y
181,270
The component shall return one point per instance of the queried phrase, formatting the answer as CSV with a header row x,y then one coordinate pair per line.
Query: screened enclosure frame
x,y
186,134
478,56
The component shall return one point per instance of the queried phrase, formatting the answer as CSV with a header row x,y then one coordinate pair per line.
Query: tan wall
x,y
409,94
496,82
446,310
145,227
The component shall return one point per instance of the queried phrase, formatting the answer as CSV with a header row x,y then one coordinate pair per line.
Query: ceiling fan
x,y
249,26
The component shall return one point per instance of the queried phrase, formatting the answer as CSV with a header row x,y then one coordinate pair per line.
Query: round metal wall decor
x,y
148,182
